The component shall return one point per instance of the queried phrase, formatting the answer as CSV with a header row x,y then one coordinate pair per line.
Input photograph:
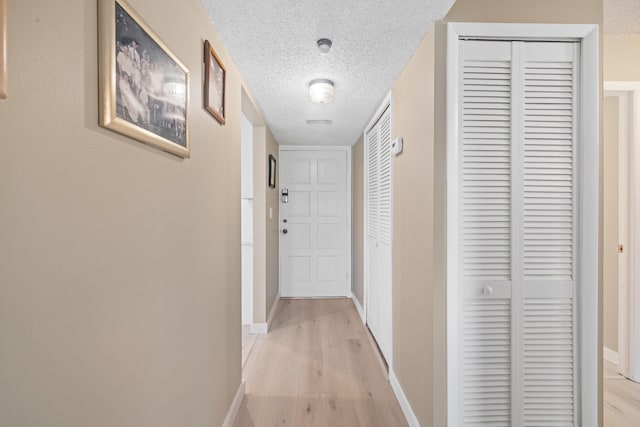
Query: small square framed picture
x,y
214,83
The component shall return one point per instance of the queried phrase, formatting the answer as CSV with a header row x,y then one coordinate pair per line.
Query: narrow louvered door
x,y
372,185
379,189
486,237
382,331
517,168
548,229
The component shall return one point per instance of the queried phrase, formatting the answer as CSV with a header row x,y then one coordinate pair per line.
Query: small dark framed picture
x,y
214,83
272,171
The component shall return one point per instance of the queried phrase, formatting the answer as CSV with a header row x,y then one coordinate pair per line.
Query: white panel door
x,y
517,225
313,224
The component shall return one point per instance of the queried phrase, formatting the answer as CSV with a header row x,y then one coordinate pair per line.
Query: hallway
x,y
317,367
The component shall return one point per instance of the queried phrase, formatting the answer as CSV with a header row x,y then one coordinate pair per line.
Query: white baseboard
x,y
412,420
359,308
230,419
258,328
263,328
610,355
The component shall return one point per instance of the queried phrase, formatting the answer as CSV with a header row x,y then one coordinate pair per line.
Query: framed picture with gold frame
x,y
215,75
144,88
3,49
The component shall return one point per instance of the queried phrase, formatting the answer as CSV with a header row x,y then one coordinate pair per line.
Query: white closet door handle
x,y
487,290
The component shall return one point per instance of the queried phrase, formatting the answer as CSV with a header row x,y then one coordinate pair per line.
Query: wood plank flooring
x,y
621,399
316,367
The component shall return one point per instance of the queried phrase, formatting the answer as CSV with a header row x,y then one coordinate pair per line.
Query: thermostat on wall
x,y
396,146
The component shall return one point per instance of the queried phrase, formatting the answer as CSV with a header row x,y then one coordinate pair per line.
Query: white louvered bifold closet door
x,y
517,219
379,231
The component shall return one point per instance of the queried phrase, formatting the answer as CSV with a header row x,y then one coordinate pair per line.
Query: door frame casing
x,y
588,201
247,293
628,94
349,184
387,102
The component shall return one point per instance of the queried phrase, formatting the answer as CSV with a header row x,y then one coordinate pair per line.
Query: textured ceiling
x,y
622,17
273,43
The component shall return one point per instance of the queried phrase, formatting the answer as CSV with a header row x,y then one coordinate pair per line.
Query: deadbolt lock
x,y
620,249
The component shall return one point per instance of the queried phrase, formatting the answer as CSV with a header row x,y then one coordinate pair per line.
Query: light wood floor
x,y
621,399
248,340
316,367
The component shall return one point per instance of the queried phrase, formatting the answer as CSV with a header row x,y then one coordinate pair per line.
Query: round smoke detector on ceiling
x,y
324,45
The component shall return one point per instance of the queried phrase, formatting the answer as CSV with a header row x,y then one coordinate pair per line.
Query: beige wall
x,y
419,217
621,59
273,229
119,264
542,11
610,214
357,224
413,119
265,229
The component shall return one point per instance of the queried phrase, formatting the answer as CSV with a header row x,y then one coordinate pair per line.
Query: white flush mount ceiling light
x,y
324,45
321,91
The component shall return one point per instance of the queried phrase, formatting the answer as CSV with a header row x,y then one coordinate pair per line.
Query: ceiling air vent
x,y
320,122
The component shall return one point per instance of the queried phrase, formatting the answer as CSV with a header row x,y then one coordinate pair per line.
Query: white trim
x,y
258,328
349,205
412,420
626,171
359,308
383,106
365,256
264,328
230,419
314,147
628,94
620,86
349,221
610,355
452,294
589,339
387,103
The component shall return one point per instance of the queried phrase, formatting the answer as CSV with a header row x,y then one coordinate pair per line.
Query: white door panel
x,y
517,221
313,252
378,235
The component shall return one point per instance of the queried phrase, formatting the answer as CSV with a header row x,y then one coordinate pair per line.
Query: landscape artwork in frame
x,y
214,82
144,88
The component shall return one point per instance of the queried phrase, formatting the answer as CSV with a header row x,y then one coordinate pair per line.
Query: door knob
x,y
487,290
285,231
